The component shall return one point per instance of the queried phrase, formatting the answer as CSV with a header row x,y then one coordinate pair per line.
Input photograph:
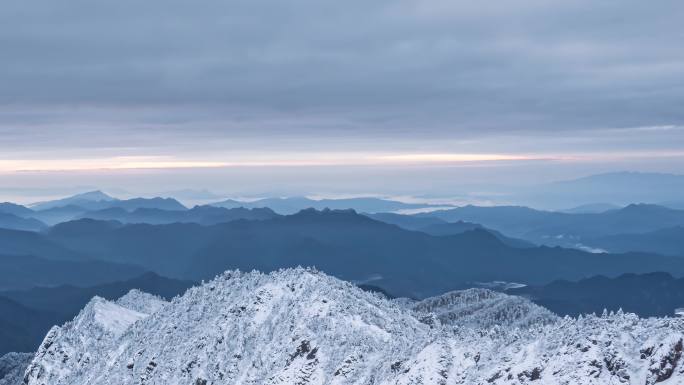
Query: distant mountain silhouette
x,y
82,200
445,229
667,241
21,328
59,214
17,242
555,228
166,248
94,196
439,227
619,188
293,205
67,300
66,209
15,209
348,245
85,227
23,271
26,316
515,221
203,195
649,295
674,204
11,221
205,215
409,222
147,203
592,208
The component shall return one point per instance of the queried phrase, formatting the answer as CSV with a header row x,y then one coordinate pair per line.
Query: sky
x,y
339,97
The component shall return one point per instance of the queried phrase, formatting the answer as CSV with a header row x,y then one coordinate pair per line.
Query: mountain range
x,y
22,328
97,200
439,227
302,327
617,188
292,205
666,241
98,205
454,245
649,295
588,194
592,208
26,271
557,228
11,221
203,215
597,227
92,257
131,211
343,243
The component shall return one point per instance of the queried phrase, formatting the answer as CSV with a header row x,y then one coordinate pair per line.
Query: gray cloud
x,y
83,78
433,64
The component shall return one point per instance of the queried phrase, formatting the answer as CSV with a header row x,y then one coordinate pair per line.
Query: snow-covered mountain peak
x,y
300,326
291,326
141,302
115,319
108,317
75,346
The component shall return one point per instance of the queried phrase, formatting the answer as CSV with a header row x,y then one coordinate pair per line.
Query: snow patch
x,y
114,318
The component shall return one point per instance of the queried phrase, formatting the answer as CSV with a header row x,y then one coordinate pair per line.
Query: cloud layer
x,y
513,65
225,79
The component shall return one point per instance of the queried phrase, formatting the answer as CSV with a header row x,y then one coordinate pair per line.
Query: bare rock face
x,y
300,326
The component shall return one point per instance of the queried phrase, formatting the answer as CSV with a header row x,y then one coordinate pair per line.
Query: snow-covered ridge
x,y
300,326
74,347
141,302
485,308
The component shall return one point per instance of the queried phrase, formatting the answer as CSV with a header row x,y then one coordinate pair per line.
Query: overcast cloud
x,y
202,79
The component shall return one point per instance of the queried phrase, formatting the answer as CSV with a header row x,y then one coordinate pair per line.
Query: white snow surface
x,y
300,326
113,318
141,302
485,308
12,367
69,350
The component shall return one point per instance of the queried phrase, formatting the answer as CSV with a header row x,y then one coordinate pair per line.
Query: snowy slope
x,y
68,350
141,302
302,327
485,308
12,367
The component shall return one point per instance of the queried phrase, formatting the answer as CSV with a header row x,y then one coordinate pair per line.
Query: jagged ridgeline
x,y
300,326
